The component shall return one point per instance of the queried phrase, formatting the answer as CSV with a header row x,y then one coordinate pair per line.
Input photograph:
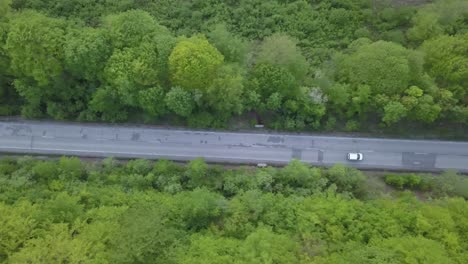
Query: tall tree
x,y
386,67
281,50
225,94
144,235
193,63
180,101
233,48
267,79
35,46
131,28
447,61
86,51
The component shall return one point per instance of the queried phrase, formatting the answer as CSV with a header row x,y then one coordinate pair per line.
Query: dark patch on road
x,y
297,153
320,156
83,133
135,136
19,130
419,160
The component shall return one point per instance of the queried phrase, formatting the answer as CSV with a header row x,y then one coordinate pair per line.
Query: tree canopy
x,y
291,65
72,211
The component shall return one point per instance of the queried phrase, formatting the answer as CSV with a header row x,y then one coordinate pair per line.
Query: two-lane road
x,y
92,140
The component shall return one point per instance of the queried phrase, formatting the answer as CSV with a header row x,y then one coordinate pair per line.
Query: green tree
x,y
180,101
398,181
130,69
45,171
35,46
225,94
395,250
416,250
268,79
139,166
394,112
233,48
131,28
425,26
339,97
450,183
274,102
209,249
18,225
71,168
143,45
152,101
281,50
347,180
106,105
437,18
264,246
144,235
447,62
299,175
193,62
197,173
58,246
426,110
386,67
5,7
63,209
86,51
199,208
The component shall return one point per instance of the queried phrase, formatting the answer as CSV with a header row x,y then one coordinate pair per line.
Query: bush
x,y
450,183
139,166
348,180
397,181
201,120
351,126
404,181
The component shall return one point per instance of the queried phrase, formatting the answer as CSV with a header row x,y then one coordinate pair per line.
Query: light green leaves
x,y
193,63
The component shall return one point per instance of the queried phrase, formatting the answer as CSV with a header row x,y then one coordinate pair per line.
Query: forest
x,y
67,210
318,65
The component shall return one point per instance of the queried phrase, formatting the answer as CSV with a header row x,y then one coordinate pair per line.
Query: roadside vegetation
x,y
70,211
448,183
329,65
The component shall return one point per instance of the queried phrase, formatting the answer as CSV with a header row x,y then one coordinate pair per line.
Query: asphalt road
x,y
93,140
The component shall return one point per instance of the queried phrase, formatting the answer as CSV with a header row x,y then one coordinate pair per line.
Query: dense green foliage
x,y
67,211
448,183
298,65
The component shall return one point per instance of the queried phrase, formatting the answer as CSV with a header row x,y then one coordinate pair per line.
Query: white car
x,y
355,156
